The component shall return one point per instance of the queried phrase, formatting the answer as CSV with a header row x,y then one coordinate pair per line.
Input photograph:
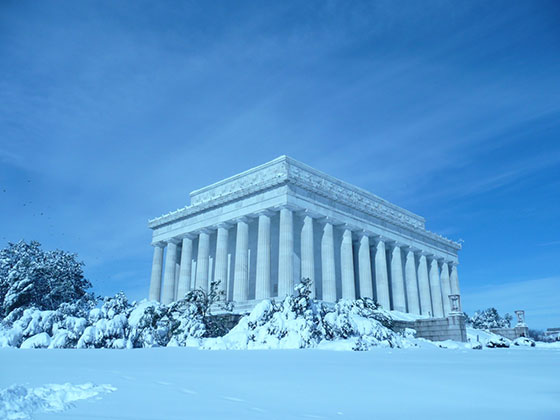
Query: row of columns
x,y
419,289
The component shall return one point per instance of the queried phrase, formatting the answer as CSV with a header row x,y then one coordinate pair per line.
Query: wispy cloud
x,y
551,243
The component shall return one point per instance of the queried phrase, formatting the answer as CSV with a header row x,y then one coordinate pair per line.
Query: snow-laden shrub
x,y
524,341
115,324
476,346
180,323
298,321
38,341
490,318
360,318
497,342
152,327
30,276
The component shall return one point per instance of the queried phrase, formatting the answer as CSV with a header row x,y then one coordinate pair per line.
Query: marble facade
x,y
261,231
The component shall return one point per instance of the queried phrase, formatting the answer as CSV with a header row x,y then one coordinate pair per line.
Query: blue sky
x,y
112,112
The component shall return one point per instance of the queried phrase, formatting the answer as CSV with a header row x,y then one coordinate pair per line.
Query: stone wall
x,y
511,333
436,329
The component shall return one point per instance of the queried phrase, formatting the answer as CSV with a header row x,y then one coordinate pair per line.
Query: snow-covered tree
x,y
490,318
203,303
30,276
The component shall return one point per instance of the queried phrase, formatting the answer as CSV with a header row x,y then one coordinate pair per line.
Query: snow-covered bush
x,y
497,342
476,346
30,276
38,341
524,341
116,323
490,318
298,321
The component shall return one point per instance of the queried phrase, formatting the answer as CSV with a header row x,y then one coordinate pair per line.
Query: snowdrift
x,y
20,402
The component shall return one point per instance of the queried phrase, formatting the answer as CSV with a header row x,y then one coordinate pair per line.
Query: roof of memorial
x,y
285,170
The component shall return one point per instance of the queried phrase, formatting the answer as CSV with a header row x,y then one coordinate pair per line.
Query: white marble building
x,y
261,231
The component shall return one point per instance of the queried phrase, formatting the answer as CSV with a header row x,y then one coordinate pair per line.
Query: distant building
x,y
552,334
261,231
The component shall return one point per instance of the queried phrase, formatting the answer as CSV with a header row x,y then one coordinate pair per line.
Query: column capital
x,y
347,232
190,235
411,248
206,230
309,213
351,228
288,206
175,241
244,219
265,212
365,232
159,244
224,225
439,259
330,220
380,238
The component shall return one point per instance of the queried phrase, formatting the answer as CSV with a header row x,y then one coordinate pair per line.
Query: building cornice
x,y
287,171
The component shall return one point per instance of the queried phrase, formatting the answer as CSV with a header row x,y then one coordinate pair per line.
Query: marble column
x,y
307,252
241,273
381,276
327,264
263,286
454,280
424,286
397,280
347,266
176,283
445,288
411,284
435,288
185,271
286,253
220,273
364,268
169,274
155,279
202,261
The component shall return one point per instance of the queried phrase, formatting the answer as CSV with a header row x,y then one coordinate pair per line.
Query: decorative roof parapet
x,y
285,170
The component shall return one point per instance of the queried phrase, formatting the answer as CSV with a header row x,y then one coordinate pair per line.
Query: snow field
x,y
181,383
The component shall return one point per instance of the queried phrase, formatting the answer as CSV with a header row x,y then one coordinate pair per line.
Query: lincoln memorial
x,y
259,232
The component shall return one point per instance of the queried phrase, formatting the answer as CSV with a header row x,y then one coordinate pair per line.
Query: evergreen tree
x,y
30,276
490,318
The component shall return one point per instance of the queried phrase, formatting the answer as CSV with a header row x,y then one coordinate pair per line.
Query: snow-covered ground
x,y
187,383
